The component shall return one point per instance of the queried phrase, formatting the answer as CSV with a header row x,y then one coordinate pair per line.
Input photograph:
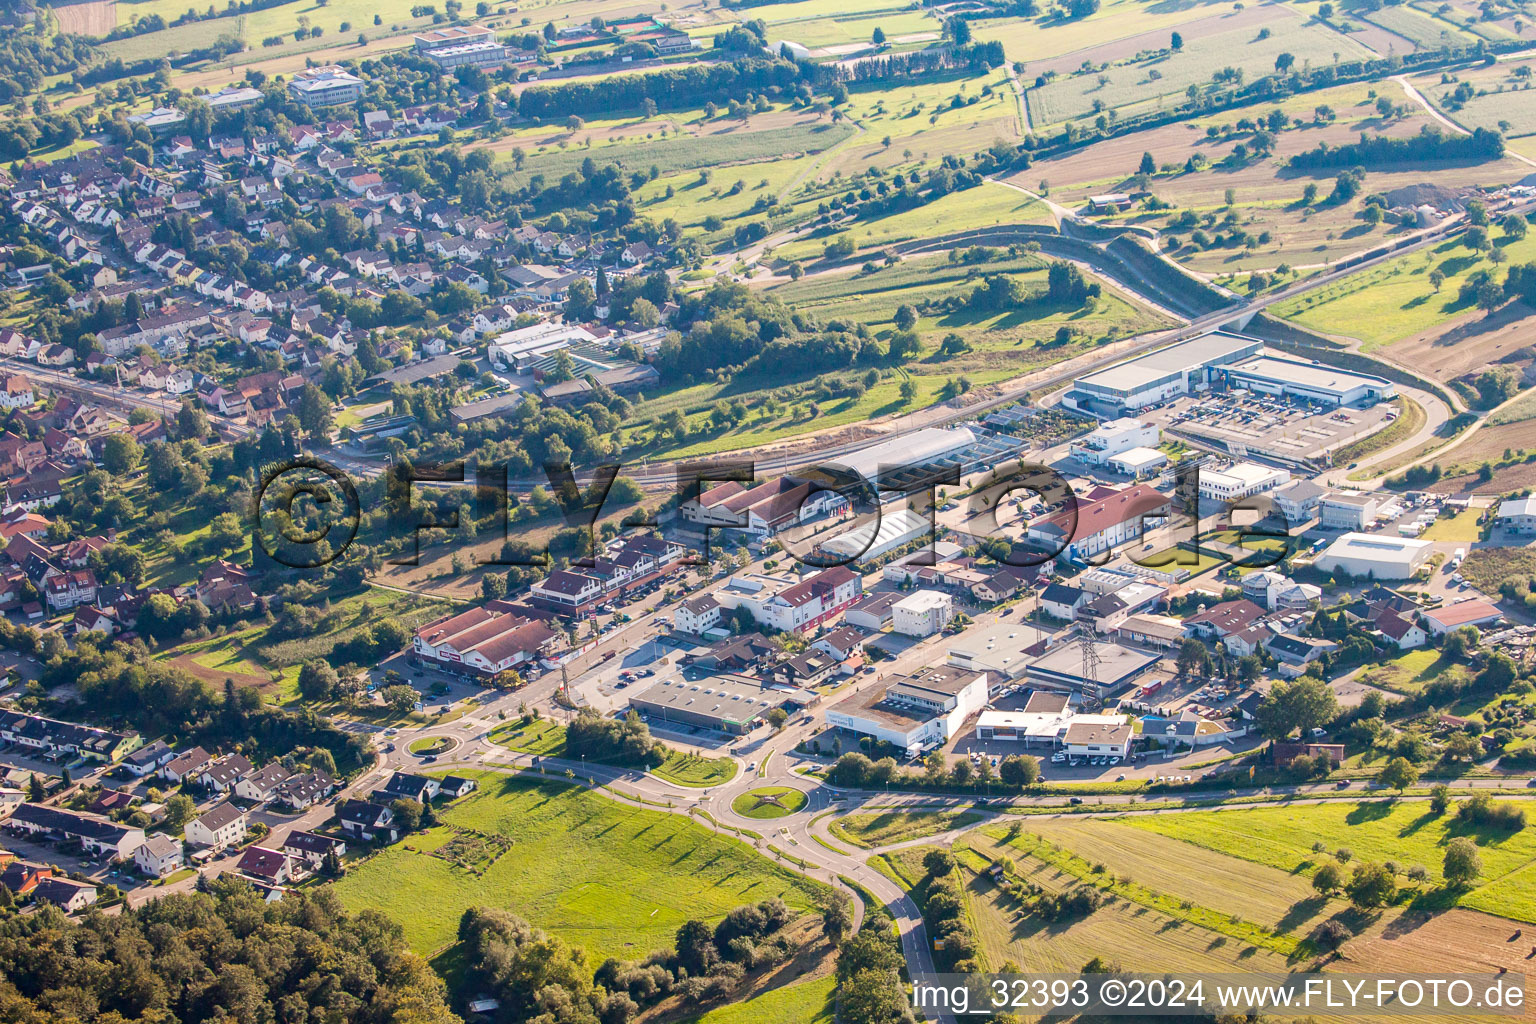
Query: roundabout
x,y
769,802
431,746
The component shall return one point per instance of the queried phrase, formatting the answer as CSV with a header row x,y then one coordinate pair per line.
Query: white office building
x,y
327,86
1113,438
1242,480
922,613
1347,511
1379,557
915,712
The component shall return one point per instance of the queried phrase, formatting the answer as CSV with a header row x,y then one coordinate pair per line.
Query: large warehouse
x,y
1376,556
1318,382
1158,376
1219,357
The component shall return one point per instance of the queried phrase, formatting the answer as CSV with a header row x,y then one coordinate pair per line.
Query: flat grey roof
x,y
1188,355
1318,376
1115,662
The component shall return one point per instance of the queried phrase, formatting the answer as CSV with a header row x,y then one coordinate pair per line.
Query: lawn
x,y
430,745
805,1002
1408,672
1463,526
547,739
615,879
769,802
871,830
1408,833
1396,299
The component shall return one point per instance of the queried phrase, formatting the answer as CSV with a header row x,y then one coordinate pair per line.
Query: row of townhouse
x,y
629,564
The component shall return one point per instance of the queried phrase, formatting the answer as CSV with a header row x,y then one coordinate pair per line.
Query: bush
x,y
1483,812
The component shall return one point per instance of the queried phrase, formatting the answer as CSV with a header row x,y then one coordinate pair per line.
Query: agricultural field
x,y
1408,833
1132,25
987,205
1183,907
1146,84
281,19
1396,300
1266,194
90,18
614,879
1502,98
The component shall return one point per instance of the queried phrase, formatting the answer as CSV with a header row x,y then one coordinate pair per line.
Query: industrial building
x,y
1095,668
794,606
458,45
1517,515
728,703
1375,556
760,509
877,537
1003,650
1113,438
1313,381
1221,358
888,463
1116,518
1156,377
914,712
1137,463
327,86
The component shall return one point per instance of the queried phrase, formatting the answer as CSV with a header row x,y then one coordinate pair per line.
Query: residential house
x,y
159,856
218,827
260,786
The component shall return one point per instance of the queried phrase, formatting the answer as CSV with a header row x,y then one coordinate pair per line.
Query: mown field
x,y
724,143
616,880
1408,833
806,1002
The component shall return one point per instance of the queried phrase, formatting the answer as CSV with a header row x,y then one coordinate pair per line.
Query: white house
x,y
159,856
219,826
